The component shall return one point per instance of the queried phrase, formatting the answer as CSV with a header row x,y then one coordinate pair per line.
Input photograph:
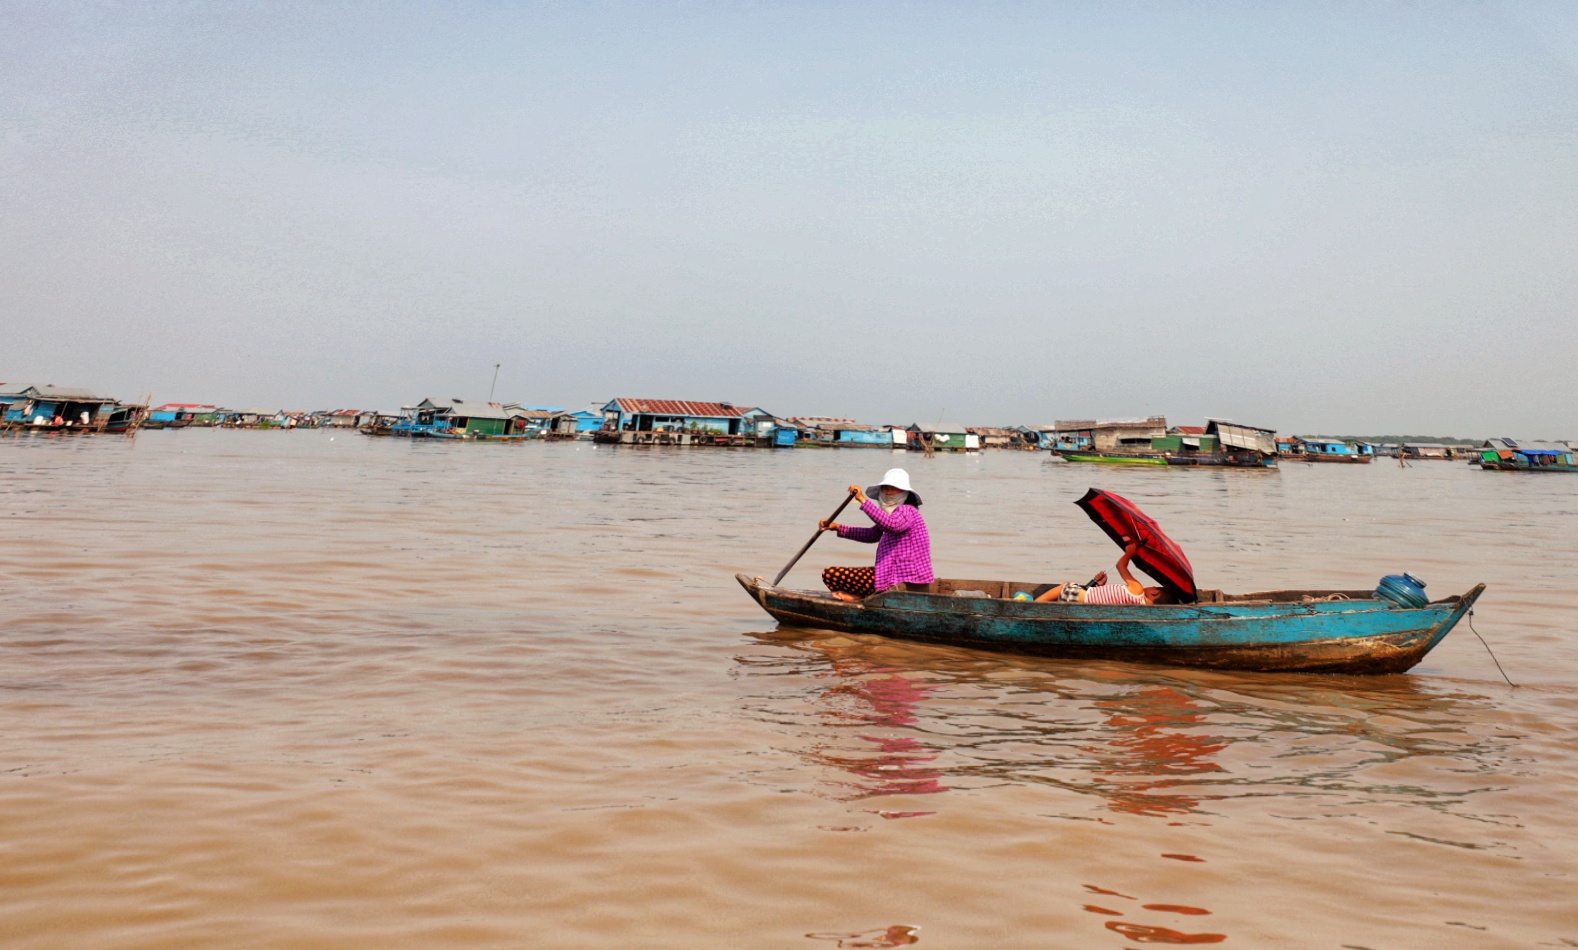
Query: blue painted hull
x,y
1274,631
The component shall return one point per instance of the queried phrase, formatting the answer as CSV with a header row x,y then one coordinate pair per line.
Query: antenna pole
x,y
495,382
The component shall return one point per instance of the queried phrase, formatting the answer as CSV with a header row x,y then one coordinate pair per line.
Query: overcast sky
x,y
1346,217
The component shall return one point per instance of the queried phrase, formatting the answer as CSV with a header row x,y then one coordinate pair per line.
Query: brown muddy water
x,y
269,689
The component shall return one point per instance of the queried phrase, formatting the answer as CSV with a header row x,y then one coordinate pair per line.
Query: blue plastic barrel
x,y
1405,590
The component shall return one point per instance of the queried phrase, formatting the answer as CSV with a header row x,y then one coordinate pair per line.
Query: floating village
x,y
1218,443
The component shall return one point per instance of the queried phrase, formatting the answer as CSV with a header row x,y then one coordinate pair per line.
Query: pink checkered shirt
x,y
903,546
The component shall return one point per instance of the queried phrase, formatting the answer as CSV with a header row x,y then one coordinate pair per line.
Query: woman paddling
x,y
898,531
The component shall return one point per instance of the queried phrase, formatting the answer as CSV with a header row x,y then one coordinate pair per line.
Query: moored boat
x,y
1505,455
1226,460
1326,631
1112,458
1313,448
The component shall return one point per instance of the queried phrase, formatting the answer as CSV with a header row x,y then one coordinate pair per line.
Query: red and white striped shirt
x,y
1118,593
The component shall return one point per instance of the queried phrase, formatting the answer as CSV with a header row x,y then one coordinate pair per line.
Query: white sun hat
x,y
895,478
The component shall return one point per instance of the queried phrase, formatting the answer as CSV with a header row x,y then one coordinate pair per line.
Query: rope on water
x,y
1489,650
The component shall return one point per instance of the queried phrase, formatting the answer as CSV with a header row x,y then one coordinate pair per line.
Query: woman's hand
x,y
860,495
1100,580
828,524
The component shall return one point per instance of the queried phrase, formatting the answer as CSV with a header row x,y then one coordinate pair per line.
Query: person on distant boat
x,y
1098,591
898,531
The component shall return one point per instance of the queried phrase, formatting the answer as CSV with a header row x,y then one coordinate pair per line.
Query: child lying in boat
x,y
1098,591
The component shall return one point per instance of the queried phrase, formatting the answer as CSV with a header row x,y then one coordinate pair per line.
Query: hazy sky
x,y
1345,217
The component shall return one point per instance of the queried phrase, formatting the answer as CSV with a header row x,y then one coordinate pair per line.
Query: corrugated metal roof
x,y
939,427
679,407
469,408
1253,438
1236,425
73,393
1147,422
1524,445
70,393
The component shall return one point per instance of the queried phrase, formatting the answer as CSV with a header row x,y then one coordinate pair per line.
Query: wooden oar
x,y
795,560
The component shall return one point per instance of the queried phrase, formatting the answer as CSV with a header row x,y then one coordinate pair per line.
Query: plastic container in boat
x,y
1405,590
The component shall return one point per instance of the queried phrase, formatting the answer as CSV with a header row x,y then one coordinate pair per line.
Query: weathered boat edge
x,y
1373,654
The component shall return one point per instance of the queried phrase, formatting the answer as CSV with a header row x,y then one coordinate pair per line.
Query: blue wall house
x,y
1071,435
880,437
673,415
780,433
176,415
685,422
587,420
1323,445
38,407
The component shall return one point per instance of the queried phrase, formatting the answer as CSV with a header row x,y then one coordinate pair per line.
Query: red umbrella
x,y
1158,556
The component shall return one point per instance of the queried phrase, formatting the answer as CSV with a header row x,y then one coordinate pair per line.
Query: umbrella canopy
x,y
1158,556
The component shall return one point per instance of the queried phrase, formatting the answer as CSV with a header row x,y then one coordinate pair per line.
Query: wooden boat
x,y
407,431
1206,460
1325,631
1225,460
1105,458
461,435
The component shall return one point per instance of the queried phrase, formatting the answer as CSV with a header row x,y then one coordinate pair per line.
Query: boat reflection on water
x,y
1157,749
907,719
887,700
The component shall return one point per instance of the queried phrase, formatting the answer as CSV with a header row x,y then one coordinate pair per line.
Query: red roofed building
x,y
682,416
